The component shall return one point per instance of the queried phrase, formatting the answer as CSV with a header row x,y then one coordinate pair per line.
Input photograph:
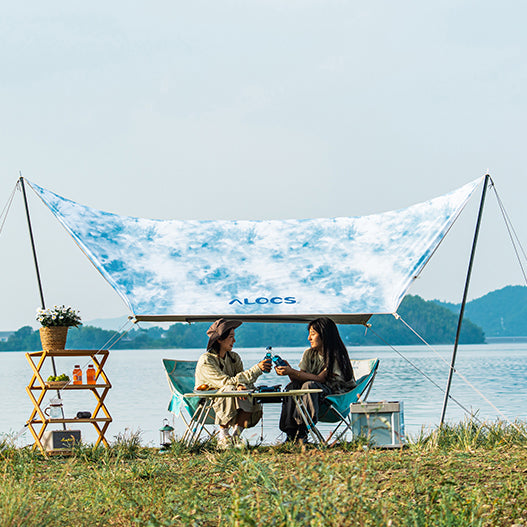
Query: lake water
x,y
140,392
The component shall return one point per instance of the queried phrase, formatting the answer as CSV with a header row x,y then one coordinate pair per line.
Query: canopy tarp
x,y
268,270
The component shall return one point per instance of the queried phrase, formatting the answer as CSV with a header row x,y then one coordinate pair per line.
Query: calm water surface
x,y
140,392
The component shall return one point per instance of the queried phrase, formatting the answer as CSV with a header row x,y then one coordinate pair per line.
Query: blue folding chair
x,y
336,408
181,379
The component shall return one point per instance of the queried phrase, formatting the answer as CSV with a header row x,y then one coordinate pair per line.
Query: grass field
x,y
464,475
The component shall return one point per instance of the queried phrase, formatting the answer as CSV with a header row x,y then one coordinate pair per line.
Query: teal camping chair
x,y
337,407
180,375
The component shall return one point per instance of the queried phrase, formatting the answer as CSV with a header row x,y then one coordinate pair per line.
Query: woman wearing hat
x,y
222,369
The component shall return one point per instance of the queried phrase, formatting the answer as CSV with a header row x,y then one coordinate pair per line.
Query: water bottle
x,y
278,361
268,355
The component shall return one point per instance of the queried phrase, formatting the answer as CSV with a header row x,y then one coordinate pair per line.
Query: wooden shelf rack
x,y
37,390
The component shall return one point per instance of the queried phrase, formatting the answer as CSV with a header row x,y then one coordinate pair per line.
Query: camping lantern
x,y
165,435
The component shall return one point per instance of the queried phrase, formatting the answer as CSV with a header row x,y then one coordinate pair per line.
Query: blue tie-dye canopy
x,y
294,270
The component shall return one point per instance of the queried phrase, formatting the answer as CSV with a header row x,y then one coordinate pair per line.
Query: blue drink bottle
x,y
268,355
278,361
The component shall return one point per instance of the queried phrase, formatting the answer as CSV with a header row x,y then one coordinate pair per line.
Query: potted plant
x,y
55,323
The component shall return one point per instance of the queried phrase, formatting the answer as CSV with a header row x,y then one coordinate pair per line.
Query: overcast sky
x,y
254,110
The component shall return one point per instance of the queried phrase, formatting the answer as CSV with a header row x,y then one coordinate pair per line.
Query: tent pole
x,y
42,303
464,301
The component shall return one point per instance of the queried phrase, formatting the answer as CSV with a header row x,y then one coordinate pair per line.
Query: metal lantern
x,y
165,435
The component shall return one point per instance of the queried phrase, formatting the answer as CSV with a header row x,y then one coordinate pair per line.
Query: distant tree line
x,y
435,323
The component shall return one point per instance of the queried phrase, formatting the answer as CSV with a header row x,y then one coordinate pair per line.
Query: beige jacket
x,y
217,372
226,375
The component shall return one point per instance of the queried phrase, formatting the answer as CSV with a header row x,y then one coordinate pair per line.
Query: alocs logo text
x,y
264,300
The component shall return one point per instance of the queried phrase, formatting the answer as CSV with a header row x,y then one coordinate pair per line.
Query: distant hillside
x,y
500,313
435,323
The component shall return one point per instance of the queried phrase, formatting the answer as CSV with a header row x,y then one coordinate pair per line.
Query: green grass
x,y
463,475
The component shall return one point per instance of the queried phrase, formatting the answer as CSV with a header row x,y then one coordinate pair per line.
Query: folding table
x,y
197,422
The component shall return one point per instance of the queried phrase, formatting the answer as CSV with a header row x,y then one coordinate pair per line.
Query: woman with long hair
x,y
325,365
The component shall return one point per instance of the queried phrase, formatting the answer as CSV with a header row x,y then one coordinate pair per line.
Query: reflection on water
x,y
140,392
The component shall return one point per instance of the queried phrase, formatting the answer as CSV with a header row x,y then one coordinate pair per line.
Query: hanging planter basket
x,y
53,338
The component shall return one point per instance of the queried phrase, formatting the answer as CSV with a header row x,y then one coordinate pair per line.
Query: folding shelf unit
x,y
37,390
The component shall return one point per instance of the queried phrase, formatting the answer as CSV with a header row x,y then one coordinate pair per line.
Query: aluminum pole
x,y
42,303
465,293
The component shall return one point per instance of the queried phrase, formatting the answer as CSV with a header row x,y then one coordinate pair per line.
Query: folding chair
x,y
337,407
181,379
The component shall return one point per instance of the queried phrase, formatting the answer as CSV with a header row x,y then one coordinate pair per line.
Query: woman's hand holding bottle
x,y
283,370
265,365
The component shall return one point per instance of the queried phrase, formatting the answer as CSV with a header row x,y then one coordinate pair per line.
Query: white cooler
x,y
381,422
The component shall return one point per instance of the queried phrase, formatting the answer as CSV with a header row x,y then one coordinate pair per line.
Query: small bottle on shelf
x,y
77,374
90,375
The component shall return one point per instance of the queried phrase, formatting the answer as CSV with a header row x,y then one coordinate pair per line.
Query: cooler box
x,y
382,422
60,439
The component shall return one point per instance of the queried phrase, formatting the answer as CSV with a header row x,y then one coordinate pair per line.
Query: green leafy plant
x,y
58,316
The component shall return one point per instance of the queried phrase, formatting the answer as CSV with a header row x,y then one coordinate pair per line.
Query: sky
x,y
257,110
